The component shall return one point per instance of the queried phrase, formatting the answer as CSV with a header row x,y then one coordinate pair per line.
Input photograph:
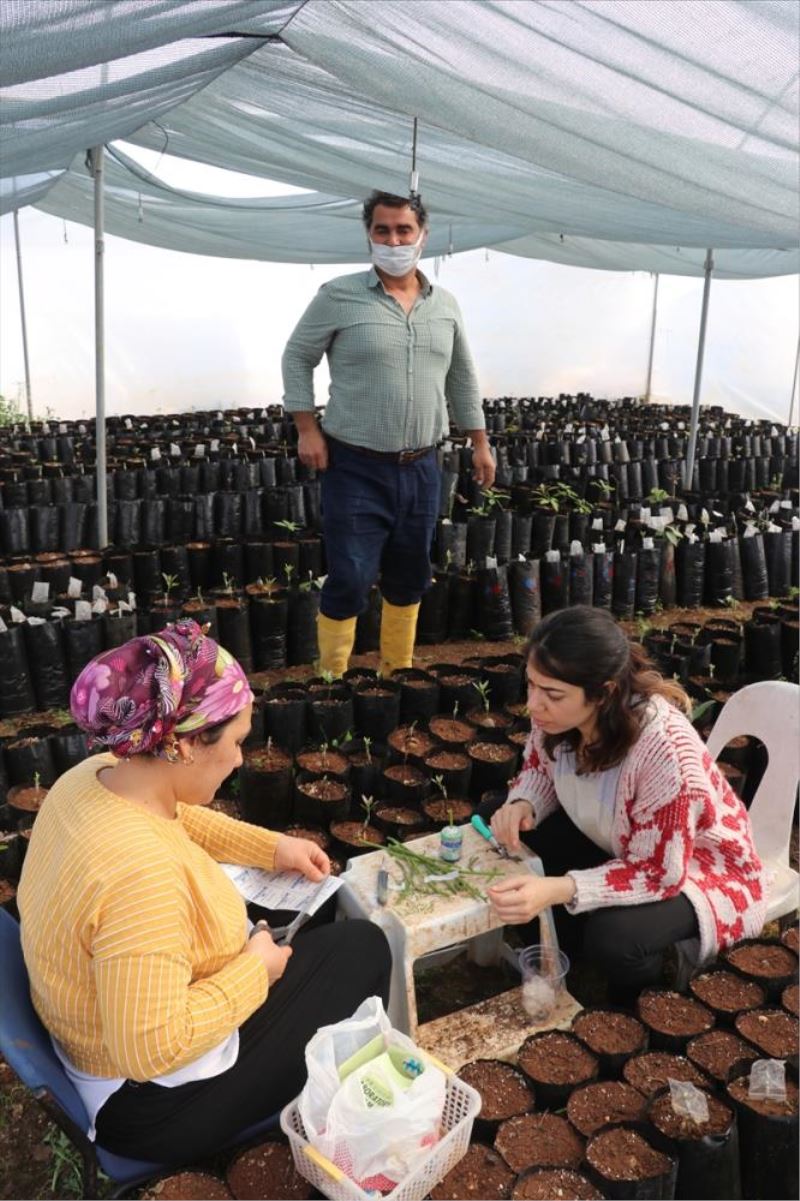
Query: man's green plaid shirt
x,y
393,374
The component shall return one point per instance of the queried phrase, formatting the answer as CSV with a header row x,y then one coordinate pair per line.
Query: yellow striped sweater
x,y
132,934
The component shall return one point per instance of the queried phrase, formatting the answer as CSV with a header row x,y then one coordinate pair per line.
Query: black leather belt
x,y
388,456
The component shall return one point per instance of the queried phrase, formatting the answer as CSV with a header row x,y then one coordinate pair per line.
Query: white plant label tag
x,y
775,507
667,514
767,1080
214,445
715,536
200,451
647,543
17,615
786,504
74,588
36,621
40,593
552,556
597,523
620,526
128,423
83,611
3,627
576,548
112,580
599,548
683,513
645,512
100,605
132,599
155,454
98,593
174,450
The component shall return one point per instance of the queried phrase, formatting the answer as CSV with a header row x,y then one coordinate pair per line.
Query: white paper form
x,y
280,890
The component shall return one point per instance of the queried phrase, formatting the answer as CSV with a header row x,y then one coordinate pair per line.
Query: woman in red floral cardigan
x,y
640,833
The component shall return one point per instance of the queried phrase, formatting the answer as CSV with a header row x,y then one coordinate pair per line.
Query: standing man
x,y
398,355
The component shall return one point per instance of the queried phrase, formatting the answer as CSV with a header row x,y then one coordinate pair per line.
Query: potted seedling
x,y
444,809
358,837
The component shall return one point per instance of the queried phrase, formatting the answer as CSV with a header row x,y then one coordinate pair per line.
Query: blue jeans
x,y
378,520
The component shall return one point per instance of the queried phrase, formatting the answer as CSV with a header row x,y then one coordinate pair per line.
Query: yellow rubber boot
x,y
398,630
336,640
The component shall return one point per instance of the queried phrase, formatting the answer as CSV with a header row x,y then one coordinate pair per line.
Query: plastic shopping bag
x,y
372,1103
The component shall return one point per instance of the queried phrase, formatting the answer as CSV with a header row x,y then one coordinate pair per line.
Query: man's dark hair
x,y
395,202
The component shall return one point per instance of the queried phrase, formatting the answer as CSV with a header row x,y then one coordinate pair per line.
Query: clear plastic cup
x,y
543,971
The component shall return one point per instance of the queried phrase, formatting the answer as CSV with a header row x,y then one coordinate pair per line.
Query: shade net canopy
x,y
609,133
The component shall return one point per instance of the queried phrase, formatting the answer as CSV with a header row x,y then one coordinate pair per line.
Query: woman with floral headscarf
x,y
177,1030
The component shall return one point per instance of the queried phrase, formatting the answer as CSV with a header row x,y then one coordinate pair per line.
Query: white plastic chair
x,y
769,711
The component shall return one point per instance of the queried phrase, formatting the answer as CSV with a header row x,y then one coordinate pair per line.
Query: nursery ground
x,y
36,1161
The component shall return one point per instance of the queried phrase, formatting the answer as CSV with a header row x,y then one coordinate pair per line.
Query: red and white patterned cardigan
x,y
678,828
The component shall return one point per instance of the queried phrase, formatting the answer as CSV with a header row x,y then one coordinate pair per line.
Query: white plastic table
x,y
418,925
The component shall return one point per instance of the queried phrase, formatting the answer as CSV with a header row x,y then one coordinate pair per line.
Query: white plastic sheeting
x,y
184,330
594,132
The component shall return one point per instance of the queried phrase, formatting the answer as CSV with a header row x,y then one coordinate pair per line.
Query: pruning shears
x,y
485,832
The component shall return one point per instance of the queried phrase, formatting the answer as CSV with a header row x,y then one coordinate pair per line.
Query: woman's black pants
x,y
332,970
627,942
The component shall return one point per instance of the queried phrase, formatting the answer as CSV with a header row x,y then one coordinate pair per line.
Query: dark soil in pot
x,y
321,800
267,1171
481,1174
406,784
651,1070
503,1089
25,801
490,726
265,786
493,765
717,1051
187,1186
543,1184
768,1136
352,838
399,822
622,1155
409,744
324,762
594,1105
611,1035
790,999
671,1018
556,1062
532,1140
771,1030
438,811
738,1090
726,993
791,939
677,1126
770,963
454,767
451,730
708,1151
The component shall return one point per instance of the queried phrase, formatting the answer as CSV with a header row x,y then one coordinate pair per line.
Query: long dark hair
x,y
586,647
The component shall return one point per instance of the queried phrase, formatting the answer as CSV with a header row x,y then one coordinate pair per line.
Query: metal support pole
x,y
23,323
96,155
648,388
698,371
794,381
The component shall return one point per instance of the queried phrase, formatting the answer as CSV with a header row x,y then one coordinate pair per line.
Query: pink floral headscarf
x,y
137,698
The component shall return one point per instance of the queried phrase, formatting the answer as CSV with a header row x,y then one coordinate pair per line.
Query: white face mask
x,y
397,260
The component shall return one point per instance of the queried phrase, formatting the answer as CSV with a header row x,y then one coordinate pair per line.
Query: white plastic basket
x,y
461,1106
